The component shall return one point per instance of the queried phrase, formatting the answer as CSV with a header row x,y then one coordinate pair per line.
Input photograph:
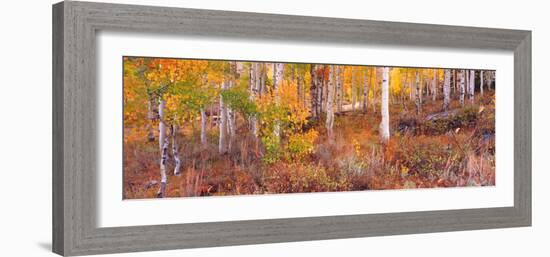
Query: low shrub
x,y
301,145
272,146
298,177
425,157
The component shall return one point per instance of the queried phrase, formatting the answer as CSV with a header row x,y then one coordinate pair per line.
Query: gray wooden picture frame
x,y
75,25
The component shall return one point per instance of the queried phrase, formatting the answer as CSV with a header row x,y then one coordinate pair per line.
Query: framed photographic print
x,y
183,128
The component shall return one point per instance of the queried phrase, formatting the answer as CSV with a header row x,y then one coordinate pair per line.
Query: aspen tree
x,y
174,129
384,108
365,101
447,90
330,99
278,69
481,82
462,86
434,85
339,88
222,146
418,93
471,85
254,84
163,145
314,91
353,93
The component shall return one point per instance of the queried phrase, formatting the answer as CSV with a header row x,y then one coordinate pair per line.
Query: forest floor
x,y
451,149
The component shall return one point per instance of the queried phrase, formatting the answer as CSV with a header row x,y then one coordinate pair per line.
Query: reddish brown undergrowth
x,y
449,152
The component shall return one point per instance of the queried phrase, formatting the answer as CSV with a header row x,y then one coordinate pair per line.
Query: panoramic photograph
x,y
197,127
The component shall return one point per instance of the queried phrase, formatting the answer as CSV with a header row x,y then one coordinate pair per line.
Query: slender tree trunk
x,y
418,94
152,116
339,90
235,70
262,89
421,95
428,86
253,87
375,82
493,78
402,92
163,145
462,86
455,80
314,91
384,108
412,89
323,95
174,129
487,80
468,86
471,84
277,83
330,98
481,82
222,146
434,86
447,90
353,93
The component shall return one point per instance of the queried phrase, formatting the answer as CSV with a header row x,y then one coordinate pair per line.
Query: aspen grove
x,y
212,127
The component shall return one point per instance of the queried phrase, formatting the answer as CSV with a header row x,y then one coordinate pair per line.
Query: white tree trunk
x,y
175,149
493,78
467,84
434,86
339,91
262,73
481,82
152,116
353,93
418,94
462,86
278,69
236,69
163,145
314,91
384,108
330,102
254,88
447,90
455,79
324,90
222,146
471,84
411,91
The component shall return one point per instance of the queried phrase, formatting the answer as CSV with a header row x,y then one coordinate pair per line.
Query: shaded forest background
x,y
206,127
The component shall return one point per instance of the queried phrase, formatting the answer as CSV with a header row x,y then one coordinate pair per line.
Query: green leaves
x,y
194,97
238,99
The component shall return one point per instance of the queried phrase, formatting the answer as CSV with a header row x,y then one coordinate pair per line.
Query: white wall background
x,y
25,127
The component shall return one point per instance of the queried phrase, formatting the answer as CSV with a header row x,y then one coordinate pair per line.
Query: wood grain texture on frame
x,y
75,25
